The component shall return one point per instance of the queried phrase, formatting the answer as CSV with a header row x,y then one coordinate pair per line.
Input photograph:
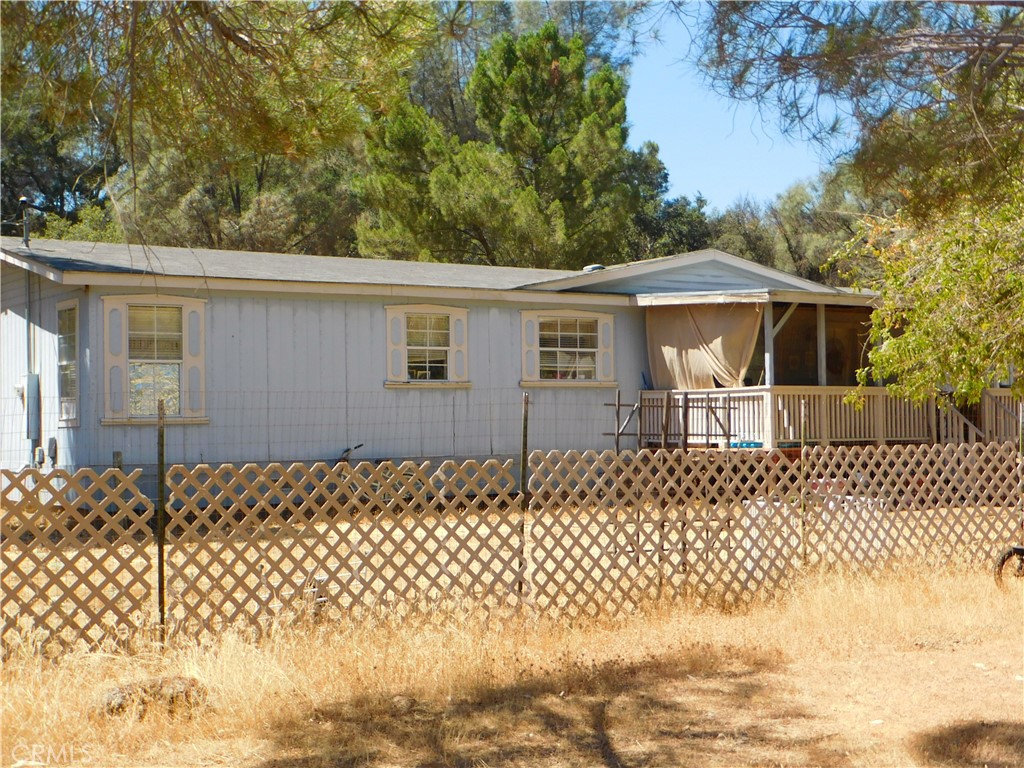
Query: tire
x,y
1010,567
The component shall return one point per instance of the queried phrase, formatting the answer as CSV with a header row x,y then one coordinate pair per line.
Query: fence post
x,y
524,469
664,419
161,522
803,483
686,422
640,419
524,488
618,406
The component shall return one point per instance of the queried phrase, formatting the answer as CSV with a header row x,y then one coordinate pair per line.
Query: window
x,y
567,347
427,341
67,359
427,345
154,359
154,350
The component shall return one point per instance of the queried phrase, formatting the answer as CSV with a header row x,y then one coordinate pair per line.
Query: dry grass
x,y
670,685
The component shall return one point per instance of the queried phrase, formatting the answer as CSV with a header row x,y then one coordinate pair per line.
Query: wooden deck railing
x,y
790,416
821,415
1002,415
711,418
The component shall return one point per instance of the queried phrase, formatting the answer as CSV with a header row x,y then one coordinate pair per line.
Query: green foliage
x,y
952,304
929,96
546,185
814,220
661,227
609,31
441,70
743,230
221,86
94,224
258,203
275,77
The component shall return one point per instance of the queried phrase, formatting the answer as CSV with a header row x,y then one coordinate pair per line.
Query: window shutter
x,y
458,365
531,347
115,358
193,373
396,368
605,347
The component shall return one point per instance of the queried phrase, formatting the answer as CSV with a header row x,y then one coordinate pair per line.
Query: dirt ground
x,y
952,705
959,705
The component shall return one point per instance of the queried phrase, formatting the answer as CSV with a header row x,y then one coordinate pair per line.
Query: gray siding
x,y
28,342
301,378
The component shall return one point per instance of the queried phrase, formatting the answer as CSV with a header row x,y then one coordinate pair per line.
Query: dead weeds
x,y
914,668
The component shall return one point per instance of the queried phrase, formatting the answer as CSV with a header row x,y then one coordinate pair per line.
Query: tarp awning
x,y
693,346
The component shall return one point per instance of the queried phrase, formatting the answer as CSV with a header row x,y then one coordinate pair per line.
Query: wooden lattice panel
x,y
941,501
605,532
746,506
608,531
252,543
76,555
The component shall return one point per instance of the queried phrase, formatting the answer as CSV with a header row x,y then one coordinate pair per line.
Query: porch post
x,y
769,345
769,376
822,369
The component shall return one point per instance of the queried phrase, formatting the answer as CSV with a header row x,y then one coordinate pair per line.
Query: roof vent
x,y
593,267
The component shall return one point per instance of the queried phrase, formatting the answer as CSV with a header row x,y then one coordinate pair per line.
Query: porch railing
x,y
822,415
1002,415
789,416
712,418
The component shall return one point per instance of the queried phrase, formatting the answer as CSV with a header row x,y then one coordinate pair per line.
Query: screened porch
x,y
755,371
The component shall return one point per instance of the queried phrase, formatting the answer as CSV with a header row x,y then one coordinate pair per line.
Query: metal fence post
x,y
524,470
524,489
161,522
618,416
803,483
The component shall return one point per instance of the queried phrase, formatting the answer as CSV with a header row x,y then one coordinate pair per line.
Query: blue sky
x,y
709,144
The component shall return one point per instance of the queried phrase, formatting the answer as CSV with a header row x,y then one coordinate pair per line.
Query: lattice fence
x,y
250,543
941,502
77,554
613,530
601,532
608,531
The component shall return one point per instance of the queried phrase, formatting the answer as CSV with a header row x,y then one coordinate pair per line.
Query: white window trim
x,y
531,318
192,384
70,421
397,361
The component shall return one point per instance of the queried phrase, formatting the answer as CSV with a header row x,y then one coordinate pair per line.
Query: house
x,y
270,357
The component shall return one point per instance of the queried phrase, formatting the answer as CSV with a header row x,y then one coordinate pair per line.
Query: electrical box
x,y
33,413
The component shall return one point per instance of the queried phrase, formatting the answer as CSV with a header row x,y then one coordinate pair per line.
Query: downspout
x,y
29,357
32,394
33,406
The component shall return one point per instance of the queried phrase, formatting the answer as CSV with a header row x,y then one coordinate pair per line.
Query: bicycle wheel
x,y
400,483
1010,567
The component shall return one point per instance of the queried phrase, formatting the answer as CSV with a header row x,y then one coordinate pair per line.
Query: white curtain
x,y
692,346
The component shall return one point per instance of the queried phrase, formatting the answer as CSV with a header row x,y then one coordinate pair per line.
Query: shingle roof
x,y
71,256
